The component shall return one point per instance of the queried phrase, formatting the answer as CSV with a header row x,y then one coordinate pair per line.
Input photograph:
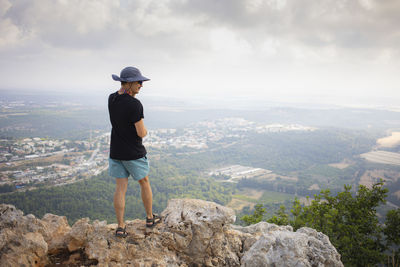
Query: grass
x,y
238,204
266,198
269,197
246,198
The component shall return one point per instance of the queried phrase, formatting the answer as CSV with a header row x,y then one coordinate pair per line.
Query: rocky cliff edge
x,y
193,233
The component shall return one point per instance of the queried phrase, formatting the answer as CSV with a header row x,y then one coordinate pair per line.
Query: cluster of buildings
x,y
198,135
276,128
234,173
30,148
56,162
162,138
237,125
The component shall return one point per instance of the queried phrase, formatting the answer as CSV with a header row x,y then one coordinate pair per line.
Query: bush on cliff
x,y
350,221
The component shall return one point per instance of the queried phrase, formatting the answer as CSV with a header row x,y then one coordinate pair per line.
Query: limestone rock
x,y
306,247
197,228
78,236
193,233
262,228
54,231
21,244
253,232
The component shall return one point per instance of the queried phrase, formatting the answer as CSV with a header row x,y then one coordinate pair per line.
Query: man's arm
x,y
140,128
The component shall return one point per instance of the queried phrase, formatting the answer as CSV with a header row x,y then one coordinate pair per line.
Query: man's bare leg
x,y
147,196
119,200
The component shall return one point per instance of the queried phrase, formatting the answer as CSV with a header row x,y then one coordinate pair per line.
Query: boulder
x,y
304,248
197,228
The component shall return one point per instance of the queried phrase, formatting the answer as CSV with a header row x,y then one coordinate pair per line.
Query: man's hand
x,y
140,128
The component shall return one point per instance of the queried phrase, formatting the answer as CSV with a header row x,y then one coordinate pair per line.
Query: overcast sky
x,y
328,51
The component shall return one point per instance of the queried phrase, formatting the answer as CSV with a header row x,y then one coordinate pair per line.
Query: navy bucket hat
x,y
130,74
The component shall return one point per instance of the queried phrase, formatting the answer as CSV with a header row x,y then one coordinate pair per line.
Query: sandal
x,y
153,221
121,232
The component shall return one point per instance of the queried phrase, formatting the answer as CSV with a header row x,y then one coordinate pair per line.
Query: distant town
x,y
35,161
200,134
32,162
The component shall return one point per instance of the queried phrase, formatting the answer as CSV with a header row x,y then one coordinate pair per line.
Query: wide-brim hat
x,y
130,74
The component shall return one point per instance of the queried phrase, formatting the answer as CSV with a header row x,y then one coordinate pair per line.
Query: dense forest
x,y
283,152
292,151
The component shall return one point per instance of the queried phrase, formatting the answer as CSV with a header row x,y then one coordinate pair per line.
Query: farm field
x,y
251,197
384,157
389,141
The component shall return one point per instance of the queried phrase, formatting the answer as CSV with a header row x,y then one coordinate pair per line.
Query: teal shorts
x,y
138,168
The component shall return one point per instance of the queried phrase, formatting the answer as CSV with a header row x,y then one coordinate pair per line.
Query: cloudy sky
x,y
328,51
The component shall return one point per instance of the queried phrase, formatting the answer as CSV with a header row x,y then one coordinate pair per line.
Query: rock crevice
x,y
193,233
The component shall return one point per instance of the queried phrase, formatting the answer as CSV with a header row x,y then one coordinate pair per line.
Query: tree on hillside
x,y
256,217
392,232
350,220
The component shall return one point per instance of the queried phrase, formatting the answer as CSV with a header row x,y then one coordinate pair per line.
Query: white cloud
x,y
270,47
5,5
265,46
10,35
277,4
72,23
367,4
226,43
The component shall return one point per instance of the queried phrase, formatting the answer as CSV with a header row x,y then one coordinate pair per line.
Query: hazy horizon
x,y
205,102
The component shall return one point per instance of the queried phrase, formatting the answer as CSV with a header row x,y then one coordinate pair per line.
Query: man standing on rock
x,y
127,153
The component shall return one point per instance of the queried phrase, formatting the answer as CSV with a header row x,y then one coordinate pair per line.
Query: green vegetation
x,y
294,151
246,198
302,154
349,220
256,217
327,174
7,188
93,198
392,232
274,197
268,197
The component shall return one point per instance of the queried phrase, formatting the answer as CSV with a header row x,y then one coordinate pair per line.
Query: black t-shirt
x,y
125,111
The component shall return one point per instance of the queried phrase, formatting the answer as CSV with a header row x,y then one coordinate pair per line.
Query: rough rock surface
x,y
193,233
